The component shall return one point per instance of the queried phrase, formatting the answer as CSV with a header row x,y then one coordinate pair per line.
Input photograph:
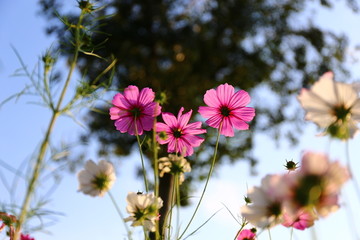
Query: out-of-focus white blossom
x,y
96,179
265,209
334,106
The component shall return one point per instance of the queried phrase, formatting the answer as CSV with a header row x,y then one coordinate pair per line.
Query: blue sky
x,y
23,124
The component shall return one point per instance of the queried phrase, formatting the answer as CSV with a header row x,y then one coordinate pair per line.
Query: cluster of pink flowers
x,y
298,198
134,112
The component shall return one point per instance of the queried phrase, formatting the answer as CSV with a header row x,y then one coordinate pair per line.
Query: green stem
x,y
206,183
172,207
120,214
141,156
177,185
44,145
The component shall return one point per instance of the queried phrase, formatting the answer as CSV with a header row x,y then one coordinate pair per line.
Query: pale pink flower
x,y
227,108
178,133
134,107
316,185
334,106
96,179
246,234
333,174
265,209
303,219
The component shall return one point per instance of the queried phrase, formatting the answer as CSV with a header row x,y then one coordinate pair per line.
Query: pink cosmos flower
x,y
226,108
246,234
179,135
26,237
134,107
303,220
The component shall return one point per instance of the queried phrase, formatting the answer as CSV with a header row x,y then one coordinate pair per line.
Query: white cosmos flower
x,y
96,179
175,165
143,209
265,209
332,105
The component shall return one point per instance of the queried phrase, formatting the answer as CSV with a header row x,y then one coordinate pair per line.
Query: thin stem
x,y
172,206
177,186
237,234
121,215
269,233
44,145
206,183
291,233
141,156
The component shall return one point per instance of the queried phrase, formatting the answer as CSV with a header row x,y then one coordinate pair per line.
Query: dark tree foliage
x,y
185,47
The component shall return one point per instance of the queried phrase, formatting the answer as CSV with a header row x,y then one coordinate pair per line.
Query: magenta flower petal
x,y
123,124
239,124
180,133
146,123
207,112
227,129
146,96
131,93
246,234
116,112
240,99
303,220
227,108
162,127
211,99
184,118
193,129
134,106
172,144
26,237
215,121
120,101
224,93
193,140
247,113
169,119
